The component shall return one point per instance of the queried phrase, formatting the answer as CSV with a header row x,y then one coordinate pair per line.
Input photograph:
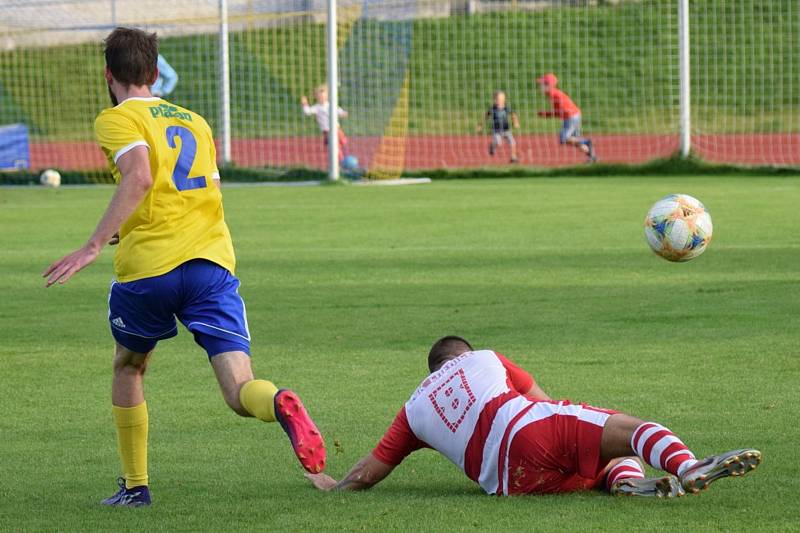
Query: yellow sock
x,y
131,425
257,396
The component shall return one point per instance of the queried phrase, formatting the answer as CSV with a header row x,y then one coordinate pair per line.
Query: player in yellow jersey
x,y
175,259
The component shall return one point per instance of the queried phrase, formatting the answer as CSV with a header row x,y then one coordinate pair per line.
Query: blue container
x,y
14,149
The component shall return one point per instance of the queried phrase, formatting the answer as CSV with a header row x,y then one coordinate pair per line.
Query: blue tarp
x,y
14,150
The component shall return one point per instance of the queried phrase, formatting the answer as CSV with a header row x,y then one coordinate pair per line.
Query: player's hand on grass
x,y
114,240
63,269
303,100
322,481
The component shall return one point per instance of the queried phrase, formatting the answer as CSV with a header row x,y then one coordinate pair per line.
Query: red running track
x,y
440,151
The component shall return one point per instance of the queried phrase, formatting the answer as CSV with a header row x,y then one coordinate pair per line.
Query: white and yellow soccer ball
x,y
678,227
50,178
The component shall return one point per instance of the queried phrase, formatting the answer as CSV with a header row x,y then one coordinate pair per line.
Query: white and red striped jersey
x,y
464,410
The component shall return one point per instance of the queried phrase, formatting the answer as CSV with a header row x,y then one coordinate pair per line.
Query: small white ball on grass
x,y
50,178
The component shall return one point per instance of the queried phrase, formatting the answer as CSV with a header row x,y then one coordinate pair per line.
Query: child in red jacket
x,y
565,109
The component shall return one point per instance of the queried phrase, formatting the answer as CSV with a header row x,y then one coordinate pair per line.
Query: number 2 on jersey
x,y
180,174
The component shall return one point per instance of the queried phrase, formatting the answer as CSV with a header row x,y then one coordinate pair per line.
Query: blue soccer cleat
x,y
125,497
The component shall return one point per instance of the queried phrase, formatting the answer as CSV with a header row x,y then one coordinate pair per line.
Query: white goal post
x,y
332,54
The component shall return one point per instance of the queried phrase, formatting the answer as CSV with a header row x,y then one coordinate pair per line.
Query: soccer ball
x,y
50,178
350,164
678,227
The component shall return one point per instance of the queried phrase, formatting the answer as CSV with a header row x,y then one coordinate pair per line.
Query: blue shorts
x,y
201,294
571,127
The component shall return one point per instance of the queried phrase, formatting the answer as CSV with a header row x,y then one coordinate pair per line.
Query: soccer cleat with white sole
x,y
653,487
125,497
734,463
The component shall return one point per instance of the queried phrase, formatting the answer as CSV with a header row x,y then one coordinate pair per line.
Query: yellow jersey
x,y
181,218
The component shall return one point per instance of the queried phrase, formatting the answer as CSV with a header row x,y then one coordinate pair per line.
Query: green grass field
x,y
620,63
347,287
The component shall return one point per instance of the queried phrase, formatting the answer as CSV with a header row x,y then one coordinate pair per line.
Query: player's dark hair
x,y
446,348
131,56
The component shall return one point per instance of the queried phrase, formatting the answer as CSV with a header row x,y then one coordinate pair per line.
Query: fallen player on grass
x,y
493,421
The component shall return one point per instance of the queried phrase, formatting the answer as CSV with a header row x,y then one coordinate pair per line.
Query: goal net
x,y
417,77
745,58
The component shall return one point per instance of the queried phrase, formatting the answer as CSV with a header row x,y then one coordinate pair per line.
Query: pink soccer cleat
x,y
307,442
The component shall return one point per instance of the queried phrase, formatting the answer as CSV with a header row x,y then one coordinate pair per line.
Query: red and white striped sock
x,y
625,469
660,448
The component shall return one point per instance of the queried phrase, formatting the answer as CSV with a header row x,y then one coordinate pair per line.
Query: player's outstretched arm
x,y
397,443
366,473
136,181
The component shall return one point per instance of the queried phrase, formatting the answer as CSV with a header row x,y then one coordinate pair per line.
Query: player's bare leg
x,y
129,369
233,370
584,145
130,417
576,142
259,398
513,147
625,435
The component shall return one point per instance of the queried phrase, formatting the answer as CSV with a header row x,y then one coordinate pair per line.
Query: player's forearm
x,y
129,194
357,479
353,484
367,473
